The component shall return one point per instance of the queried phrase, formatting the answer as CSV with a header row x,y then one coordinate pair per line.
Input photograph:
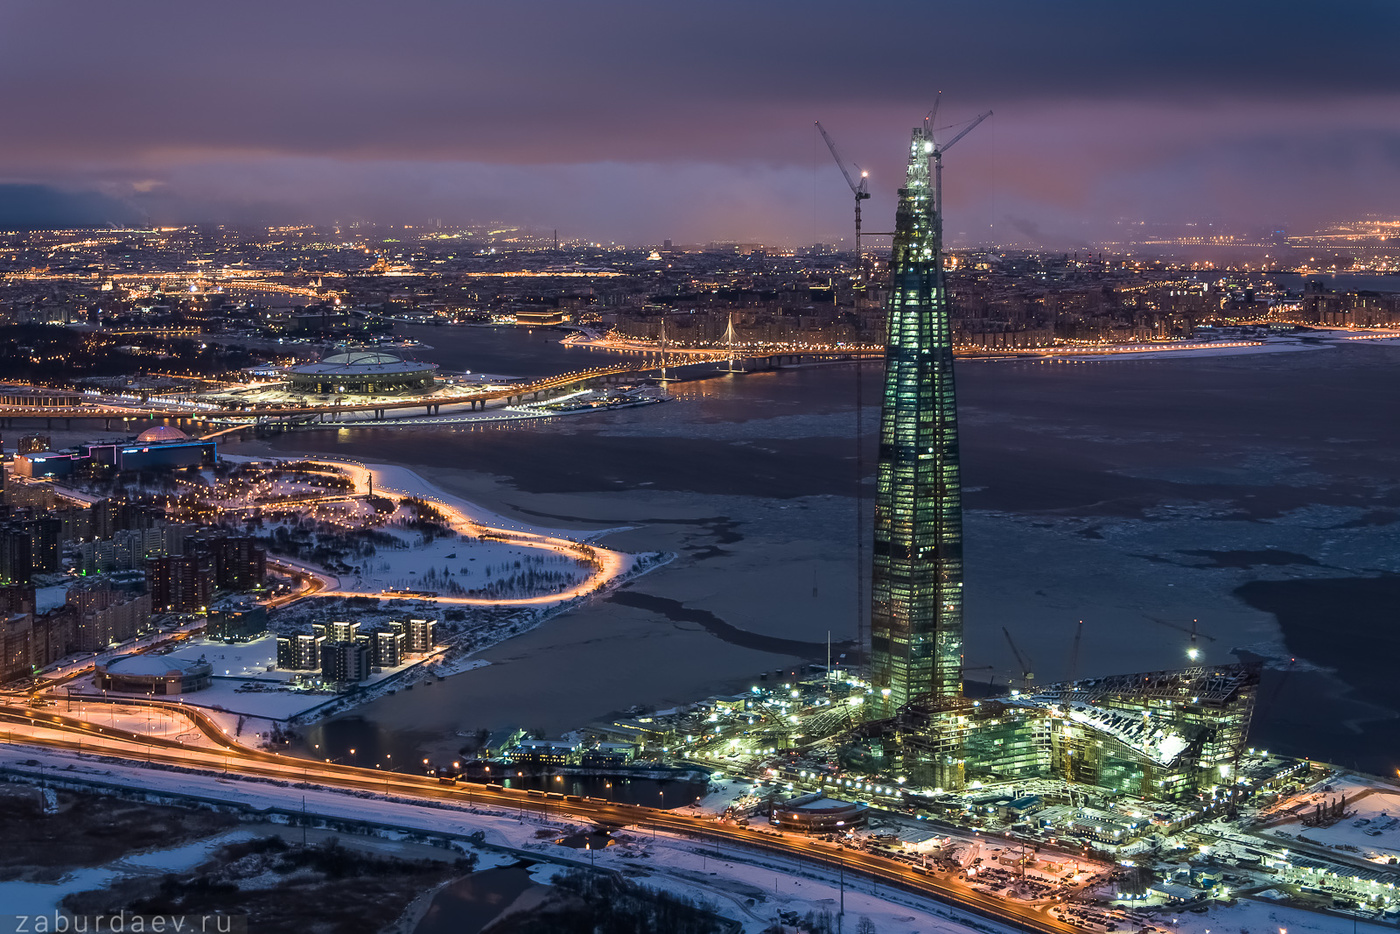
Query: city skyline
x,y
472,435
629,124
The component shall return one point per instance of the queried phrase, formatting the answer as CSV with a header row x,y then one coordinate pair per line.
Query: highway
x,y
48,728
314,582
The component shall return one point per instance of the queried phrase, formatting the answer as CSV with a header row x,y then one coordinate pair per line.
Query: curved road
x,y
33,727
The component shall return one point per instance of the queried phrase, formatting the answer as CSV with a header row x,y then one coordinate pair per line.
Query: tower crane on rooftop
x,y
936,151
859,190
1193,651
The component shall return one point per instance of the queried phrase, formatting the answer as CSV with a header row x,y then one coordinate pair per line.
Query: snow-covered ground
x,y
247,684
1370,829
402,480
490,560
1249,916
41,898
51,597
729,877
749,886
146,720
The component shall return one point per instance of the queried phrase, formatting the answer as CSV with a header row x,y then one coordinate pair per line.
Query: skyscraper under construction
x,y
1159,735
916,627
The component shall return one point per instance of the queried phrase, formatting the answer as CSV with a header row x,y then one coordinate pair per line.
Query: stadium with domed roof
x,y
362,372
153,674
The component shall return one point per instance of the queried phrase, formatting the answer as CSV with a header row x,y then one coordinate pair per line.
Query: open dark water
x,y
1256,494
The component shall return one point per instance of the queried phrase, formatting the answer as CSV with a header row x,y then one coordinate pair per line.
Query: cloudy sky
x,y
694,120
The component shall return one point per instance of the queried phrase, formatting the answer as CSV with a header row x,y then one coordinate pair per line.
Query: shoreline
x,y
525,614
1322,622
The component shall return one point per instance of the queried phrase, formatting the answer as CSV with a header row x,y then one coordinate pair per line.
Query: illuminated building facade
x,y
916,626
180,583
362,372
157,448
1161,735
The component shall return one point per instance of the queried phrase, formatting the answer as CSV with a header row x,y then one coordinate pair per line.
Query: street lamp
x,y
841,868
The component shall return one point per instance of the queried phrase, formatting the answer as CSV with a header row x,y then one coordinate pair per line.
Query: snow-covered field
x,y
729,877
748,886
1248,916
1370,829
246,698
484,559
149,721
40,898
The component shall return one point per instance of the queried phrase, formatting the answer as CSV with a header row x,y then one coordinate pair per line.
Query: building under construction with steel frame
x,y
1162,735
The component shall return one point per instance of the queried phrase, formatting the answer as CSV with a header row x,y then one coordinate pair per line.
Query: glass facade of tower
x,y
916,584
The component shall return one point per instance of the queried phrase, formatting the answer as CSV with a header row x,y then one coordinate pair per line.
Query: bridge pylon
x,y
729,340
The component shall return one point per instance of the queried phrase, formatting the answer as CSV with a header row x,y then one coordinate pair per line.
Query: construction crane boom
x,y
1027,675
861,194
858,189
841,163
964,131
1193,650
1074,651
936,157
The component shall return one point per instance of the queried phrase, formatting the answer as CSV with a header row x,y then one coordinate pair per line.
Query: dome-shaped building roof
x,y
155,666
362,358
153,674
365,371
161,434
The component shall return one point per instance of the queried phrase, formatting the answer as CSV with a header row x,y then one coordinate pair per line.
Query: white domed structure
x,y
161,434
153,674
363,372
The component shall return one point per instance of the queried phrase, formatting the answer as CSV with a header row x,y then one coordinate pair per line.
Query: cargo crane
x,y
1027,674
859,190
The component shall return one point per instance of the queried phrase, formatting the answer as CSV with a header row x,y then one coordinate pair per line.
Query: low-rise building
x,y
161,675
816,813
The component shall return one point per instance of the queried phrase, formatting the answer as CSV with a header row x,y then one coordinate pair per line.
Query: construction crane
x,y
1027,675
936,151
1193,651
1074,651
1267,704
861,193
859,190
991,679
